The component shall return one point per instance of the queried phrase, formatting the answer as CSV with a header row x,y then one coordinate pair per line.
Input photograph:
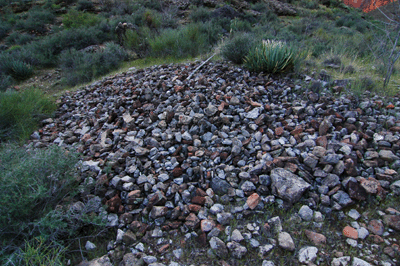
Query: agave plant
x,y
271,56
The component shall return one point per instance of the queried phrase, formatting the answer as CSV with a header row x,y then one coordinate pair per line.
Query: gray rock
x,y
268,263
360,262
307,254
388,155
220,186
287,185
218,247
285,241
237,250
342,198
90,246
236,236
342,261
306,213
395,187
224,218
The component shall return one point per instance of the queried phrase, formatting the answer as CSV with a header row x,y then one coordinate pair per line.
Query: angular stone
x,y
237,236
393,221
306,213
388,155
237,250
316,238
253,200
376,227
285,241
307,254
287,185
219,186
158,211
207,225
218,247
192,221
342,261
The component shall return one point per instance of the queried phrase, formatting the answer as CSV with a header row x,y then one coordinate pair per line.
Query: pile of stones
x,y
180,154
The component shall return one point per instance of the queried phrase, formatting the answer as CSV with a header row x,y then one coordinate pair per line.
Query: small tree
x,y
386,48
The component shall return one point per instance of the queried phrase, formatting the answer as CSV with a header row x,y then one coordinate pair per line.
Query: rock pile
x,y
168,155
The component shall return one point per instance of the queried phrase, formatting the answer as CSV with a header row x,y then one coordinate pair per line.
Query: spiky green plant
x,y
271,56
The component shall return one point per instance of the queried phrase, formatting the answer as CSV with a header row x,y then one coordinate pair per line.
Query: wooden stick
x,y
202,64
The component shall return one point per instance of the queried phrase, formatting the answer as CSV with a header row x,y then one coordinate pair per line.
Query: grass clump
x,y
237,48
18,69
80,66
271,57
36,21
34,182
20,113
77,19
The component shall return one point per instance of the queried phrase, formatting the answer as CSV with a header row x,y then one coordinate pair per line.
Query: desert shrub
x,y
353,21
169,18
85,5
14,67
237,48
36,20
309,4
151,19
34,181
211,32
271,57
178,43
38,252
77,19
154,4
4,29
5,81
80,66
19,38
240,25
201,14
20,113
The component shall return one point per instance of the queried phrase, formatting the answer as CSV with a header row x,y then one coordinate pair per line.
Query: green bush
x,y
237,48
19,38
4,29
85,5
20,113
271,57
33,183
201,14
5,81
36,20
77,19
79,66
184,42
18,69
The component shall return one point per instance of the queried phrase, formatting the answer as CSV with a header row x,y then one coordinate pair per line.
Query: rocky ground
x,y
217,166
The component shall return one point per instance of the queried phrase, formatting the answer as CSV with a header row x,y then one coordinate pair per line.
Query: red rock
x,y
322,141
192,221
134,194
376,239
279,131
200,192
316,238
158,211
163,248
114,204
350,232
253,200
371,185
194,208
350,167
177,172
297,130
199,200
376,227
393,221
390,106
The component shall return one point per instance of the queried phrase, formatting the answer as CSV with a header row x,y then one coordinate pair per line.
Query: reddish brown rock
x,y
371,185
177,172
322,141
253,200
350,167
350,232
356,191
393,221
316,238
194,208
199,200
279,131
113,204
376,227
192,221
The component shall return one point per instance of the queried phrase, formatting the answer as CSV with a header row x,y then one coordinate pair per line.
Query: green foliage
x,y
309,4
36,20
240,25
271,57
20,113
5,81
237,48
4,29
201,14
40,253
19,38
85,5
18,69
77,19
179,43
81,66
